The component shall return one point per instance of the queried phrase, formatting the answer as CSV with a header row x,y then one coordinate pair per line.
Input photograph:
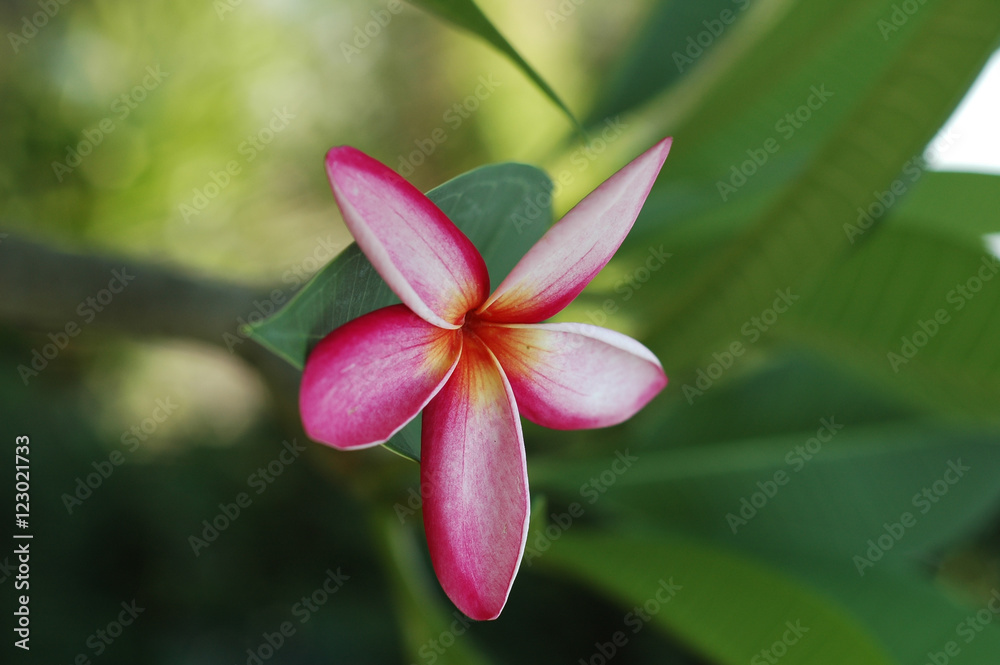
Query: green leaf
x,y
910,615
503,208
915,309
724,605
736,98
959,207
766,66
467,15
799,493
801,234
738,94
794,389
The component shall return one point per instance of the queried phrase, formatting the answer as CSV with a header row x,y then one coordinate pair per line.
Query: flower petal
x,y
474,478
372,375
423,257
574,375
567,257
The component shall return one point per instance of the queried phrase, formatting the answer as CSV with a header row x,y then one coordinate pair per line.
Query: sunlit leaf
x,y
801,235
959,207
916,309
738,94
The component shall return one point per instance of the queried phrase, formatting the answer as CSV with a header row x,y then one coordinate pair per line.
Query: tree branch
x,y
49,290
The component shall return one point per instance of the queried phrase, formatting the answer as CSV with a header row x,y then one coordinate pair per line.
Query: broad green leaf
x,y
916,309
798,47
467,15
960,207
503,208
794,389
918,621
739,93
725,606
799,492
801,235
736,96
901,271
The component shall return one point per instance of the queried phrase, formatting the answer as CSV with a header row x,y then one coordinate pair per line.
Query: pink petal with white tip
x,y
423,257
574,375
474,478
372,375
574,250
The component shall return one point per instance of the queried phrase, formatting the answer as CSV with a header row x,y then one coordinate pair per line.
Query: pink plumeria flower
x,y
474,362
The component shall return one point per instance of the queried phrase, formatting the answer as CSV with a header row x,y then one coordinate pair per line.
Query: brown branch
x,y
52,291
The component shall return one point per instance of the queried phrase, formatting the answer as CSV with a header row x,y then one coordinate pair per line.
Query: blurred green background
x,y
817,484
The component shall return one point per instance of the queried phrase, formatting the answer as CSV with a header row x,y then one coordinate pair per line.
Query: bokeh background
x,y
172,152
